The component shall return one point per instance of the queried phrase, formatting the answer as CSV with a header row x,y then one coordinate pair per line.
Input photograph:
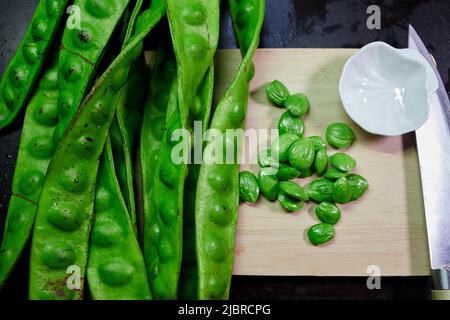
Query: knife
x,y
433,146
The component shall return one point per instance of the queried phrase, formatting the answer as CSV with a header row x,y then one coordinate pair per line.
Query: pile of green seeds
x,y
295,156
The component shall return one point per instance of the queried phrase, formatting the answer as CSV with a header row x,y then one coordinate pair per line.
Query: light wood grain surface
x,y
385,228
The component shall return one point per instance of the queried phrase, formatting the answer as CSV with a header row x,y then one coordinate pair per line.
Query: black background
x,y
288,24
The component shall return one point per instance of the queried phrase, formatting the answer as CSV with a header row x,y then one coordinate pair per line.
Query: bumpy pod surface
x,y
127,122
24,68
161,97
35,151
218,190
82,48
116,269
194,27
188,287
71,177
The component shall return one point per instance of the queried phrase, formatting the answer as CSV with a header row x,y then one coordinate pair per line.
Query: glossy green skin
x,y
71,177
281,146
194,27
321,233
358,185
286,172
328,213
24,68
321,190
218,184
80,53
188,287
340,135
161,97
297,104
294,190
291,124
269,185
319,142
127,123
321,161
265,159
334,174
116,269
277,92
248,187
289,203
343,162
302,155
35,151
342,191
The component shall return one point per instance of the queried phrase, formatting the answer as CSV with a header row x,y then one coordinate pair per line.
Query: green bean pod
x,y
126,125
188,288
69,188
82,49
116,269
35,151
162,96
194,27
24,68
218,190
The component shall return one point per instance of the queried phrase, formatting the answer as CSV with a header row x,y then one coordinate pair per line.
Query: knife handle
x,y
440,294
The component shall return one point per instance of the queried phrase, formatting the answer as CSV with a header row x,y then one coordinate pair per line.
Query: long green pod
x,y
69,188
24,68
194,26
126,125
35,151
116,269
162,96
188,288
217,190
84,43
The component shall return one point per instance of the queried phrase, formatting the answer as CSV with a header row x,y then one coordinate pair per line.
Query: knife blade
x,y
433,145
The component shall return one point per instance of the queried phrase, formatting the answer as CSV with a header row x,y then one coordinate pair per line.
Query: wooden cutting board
x,y
385,228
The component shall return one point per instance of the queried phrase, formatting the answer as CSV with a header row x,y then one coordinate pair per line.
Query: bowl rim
x,y
431,83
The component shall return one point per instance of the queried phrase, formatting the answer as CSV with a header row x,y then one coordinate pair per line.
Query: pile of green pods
x,y
108,213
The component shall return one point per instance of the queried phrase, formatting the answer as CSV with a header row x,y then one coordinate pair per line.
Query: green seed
x,y
321,190
343,162
321,233
297,104
280,147
302,154
342,191
321,161
340,135
294,190
307,173
334,174
358,184
328,213
265,159
248,187
290,204
268,184
290,124
319,142
286,172
277,92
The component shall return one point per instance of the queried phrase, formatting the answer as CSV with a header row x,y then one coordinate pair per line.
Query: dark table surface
x,y
288,24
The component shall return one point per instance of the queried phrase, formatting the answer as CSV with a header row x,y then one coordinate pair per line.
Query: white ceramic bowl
x,y
386,91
